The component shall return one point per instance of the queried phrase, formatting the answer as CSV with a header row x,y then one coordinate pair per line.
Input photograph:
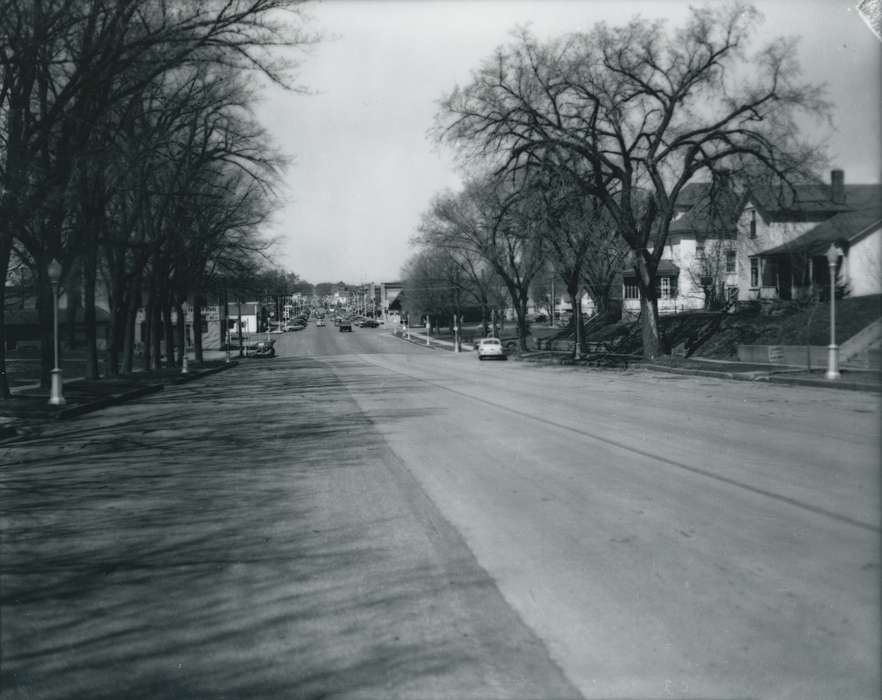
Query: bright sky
x,y
364,169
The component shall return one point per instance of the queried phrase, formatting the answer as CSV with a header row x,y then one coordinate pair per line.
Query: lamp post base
x,y
832,362
55,394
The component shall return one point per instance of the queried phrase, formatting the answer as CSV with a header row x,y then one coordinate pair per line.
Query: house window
x,y
732,294
699,251
753,223
754,272
666,287
632,291
730,262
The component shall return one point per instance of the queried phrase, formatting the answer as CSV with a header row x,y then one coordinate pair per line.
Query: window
x,y
699,250
730,262
666,287
632,291
753,223
732,294
754,272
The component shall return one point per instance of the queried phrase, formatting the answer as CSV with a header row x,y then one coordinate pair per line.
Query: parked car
x,y
345,326
370,323
490,348
264,349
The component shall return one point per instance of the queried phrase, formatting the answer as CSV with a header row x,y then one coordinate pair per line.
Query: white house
x,y
700,253
766,244
783,240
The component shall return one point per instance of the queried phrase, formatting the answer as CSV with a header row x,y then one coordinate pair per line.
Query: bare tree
x,y
640,110
65,67
498,223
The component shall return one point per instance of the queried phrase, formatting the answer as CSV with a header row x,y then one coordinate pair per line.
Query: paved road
x,y
363,517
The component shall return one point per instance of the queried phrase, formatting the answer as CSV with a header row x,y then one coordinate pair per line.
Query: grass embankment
x,y
719,338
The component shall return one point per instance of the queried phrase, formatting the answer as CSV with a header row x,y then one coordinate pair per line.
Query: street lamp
x,y
832,349
56,397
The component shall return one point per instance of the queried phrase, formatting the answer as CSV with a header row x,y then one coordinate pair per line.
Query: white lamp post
x,y
56,397
428,329
832,349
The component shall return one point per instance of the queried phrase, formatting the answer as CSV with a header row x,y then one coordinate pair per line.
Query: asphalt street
x,y
365,517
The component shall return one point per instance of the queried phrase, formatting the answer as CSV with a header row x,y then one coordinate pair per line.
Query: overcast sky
x,y
363,168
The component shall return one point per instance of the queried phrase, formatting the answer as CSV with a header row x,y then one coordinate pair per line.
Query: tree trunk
x,y
155,334
197,329
576,303
70,315
5,252
648,309
240,330
46,299
128,344
521,312
181,333
169,330
90,274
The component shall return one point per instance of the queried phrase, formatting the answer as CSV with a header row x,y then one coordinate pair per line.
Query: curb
x,y
737,376
421,344
765,377
822,383
191,376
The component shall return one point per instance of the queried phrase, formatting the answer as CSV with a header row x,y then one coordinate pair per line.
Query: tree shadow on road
x,y
209,543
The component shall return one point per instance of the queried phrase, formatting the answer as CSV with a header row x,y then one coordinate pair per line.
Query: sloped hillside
x,y
718,336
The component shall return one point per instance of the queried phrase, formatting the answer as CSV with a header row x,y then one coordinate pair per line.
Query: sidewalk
x,y
30,404
854,379
851,378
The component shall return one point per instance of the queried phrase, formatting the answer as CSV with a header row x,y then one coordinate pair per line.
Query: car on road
x,y
370,323
345,325
490,348
320,323
264,349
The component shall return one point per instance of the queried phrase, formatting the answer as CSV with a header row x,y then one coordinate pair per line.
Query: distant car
x,y
345,326
264,349
370,323
490,348
320,323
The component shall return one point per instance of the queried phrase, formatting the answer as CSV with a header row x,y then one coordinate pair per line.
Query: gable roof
x,y
849,226
813,200
709,210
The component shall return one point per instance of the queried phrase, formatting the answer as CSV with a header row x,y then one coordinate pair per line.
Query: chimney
x,y
837,186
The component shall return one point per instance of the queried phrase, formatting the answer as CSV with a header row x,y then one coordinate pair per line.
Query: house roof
x,y
666,268
847,226
814,199
710,211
